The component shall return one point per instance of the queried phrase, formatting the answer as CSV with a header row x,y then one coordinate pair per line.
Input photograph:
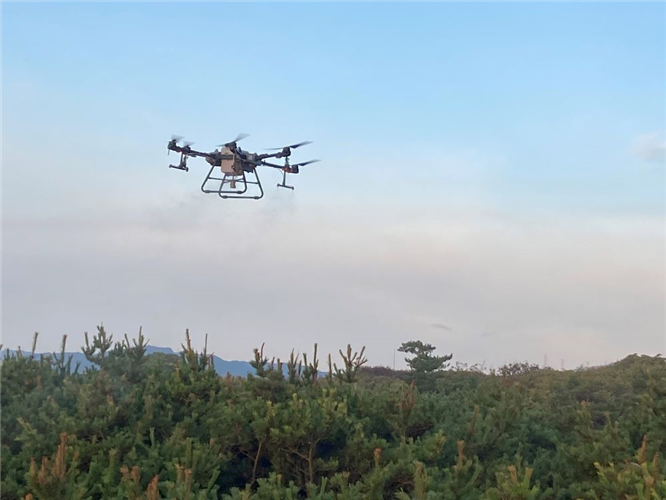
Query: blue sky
x,y
441,115
557,92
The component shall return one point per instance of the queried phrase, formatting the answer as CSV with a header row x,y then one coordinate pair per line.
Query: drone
x,y
237,168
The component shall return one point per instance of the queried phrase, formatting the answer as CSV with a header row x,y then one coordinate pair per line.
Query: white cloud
x,y
651,147
510,288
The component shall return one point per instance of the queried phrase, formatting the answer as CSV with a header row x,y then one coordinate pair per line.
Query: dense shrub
x,y
162,427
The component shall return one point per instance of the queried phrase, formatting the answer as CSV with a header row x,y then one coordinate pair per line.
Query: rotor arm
x,y
279,154
193,153
273,165
186,152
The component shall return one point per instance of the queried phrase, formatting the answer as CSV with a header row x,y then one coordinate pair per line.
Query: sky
x,y
492,178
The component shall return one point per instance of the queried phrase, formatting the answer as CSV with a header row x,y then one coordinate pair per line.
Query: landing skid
x,y
283,184
236,185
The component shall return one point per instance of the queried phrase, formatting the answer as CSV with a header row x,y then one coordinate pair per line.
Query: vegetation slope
x,y
166,427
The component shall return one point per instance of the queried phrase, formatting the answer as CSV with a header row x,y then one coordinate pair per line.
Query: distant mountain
x,y
222,366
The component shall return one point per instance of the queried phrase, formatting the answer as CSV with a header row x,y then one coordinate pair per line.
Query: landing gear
x,y
182,165
236,185
284,180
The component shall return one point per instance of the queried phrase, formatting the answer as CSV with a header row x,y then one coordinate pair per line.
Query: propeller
x,y
240,137
175,139
179,138
302,164
293,146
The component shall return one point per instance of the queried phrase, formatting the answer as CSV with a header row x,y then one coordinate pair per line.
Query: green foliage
x,y
163,427
513,484
639,479
352,363
56,478
424,361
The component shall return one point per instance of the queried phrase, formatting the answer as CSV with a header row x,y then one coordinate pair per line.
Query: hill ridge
x,y
222,366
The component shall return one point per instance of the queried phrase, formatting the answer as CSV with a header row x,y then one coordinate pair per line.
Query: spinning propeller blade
x,y
304,163
175,139
240,137
293,146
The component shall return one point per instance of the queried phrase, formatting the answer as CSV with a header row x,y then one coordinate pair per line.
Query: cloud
x,y
580,288
651,147
441,326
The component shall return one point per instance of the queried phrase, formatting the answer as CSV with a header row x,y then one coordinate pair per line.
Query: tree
x,y
423,361
176,430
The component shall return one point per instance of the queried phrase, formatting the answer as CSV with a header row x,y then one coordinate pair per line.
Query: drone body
x,y
237,168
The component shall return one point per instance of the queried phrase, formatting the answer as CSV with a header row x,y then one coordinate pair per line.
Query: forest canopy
x,y
156,426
